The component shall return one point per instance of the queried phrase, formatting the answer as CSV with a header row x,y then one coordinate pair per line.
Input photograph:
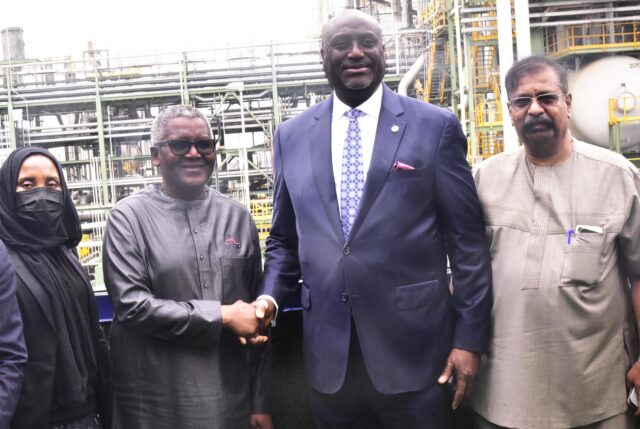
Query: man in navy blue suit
x,y
372,193
13,352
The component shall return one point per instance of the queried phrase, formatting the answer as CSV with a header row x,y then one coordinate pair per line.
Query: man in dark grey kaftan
x,y
181,261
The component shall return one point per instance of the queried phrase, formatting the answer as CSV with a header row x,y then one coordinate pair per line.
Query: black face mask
x,y
40,209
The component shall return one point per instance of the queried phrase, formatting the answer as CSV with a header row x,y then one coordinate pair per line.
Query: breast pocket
x,y
238,279
397,175
583,260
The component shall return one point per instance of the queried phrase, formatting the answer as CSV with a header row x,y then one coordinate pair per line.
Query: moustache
x,y
535,122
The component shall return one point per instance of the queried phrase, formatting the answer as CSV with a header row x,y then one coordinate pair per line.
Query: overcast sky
x,y
54,28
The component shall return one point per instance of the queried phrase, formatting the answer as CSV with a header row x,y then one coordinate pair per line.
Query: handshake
x,y
249,321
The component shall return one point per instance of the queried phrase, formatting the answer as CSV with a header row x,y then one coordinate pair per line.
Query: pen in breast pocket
x,y
569,234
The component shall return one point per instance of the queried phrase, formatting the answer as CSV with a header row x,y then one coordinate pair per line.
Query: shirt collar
x,y
370,107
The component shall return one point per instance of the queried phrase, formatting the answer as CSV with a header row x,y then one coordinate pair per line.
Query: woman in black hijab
x,y
65,380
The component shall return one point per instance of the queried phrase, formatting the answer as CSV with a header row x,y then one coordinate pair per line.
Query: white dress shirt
x,y
368,125
339,125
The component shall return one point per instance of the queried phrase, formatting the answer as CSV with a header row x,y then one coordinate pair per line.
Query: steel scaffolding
x,y
95,113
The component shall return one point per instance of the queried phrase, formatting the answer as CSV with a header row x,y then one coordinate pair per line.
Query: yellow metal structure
x,y
485,67
489,33
619,115
556,35
84,246
490,139
438,63
434,16
619,109
490,143
592,37
486,89
261,210
488,110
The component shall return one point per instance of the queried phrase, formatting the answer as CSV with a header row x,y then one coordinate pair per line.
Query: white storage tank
x,y
615,77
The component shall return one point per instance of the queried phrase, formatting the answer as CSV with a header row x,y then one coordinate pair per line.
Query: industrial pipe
x,y
411,74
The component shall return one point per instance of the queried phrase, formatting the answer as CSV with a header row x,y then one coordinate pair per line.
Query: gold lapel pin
x,y
395,129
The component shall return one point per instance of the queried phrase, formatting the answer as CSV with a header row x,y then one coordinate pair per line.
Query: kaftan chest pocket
x,y
583,259
238,279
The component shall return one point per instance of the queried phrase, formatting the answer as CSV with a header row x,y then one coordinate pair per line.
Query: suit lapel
x,y
389,132
322,165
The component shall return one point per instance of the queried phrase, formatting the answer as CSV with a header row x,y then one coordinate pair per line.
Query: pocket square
x,y
400,166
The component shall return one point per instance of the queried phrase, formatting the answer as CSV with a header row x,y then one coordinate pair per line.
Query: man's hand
x,y
241,319
464,365
633,380
265,311
260,421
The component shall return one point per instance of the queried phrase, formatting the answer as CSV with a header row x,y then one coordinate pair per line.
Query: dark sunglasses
x,y
182,147
546,100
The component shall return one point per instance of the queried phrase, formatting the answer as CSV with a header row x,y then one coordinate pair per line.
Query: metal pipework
x,y
410,75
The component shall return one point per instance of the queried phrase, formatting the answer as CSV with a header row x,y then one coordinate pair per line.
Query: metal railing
x,y
75,81
624,110
587,37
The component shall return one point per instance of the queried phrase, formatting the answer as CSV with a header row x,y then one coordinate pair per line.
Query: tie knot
x,y
354,113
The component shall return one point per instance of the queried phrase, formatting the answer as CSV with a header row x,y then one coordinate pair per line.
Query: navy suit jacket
x,y
13,353
390,273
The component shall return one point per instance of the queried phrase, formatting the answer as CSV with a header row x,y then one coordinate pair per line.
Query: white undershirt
x,y
368,125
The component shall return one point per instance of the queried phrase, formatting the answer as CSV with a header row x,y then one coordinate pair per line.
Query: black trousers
x,y
359,405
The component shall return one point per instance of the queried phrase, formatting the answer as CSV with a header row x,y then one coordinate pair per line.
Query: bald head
x,y
346,17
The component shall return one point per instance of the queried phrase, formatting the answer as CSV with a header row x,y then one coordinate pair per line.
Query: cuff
x,y
271,299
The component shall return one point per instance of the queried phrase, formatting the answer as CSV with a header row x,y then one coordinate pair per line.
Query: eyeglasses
x,y
182,147
545,100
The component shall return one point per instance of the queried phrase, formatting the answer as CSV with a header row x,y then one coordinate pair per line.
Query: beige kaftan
x,y
557,354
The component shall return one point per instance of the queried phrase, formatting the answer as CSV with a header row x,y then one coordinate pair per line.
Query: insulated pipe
x,y
396,12
564,3
523,32
505,50
411,74
407,14
584,11
462,87
610,25
634,18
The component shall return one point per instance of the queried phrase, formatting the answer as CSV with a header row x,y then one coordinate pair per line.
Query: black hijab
x,y
47,260
13,232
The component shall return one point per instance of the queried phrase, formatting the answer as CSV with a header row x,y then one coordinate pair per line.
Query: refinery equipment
x,y
471,44
94,110
606,103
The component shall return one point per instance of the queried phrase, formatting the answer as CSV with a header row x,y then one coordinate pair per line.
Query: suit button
x,y
344,297
346,251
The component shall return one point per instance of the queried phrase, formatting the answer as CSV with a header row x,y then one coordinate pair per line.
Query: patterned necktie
x,y
352,172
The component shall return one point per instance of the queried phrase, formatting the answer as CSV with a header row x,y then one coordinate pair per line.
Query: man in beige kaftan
x,y
563,221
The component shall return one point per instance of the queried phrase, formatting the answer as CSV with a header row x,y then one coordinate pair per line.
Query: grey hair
x,y
159,126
